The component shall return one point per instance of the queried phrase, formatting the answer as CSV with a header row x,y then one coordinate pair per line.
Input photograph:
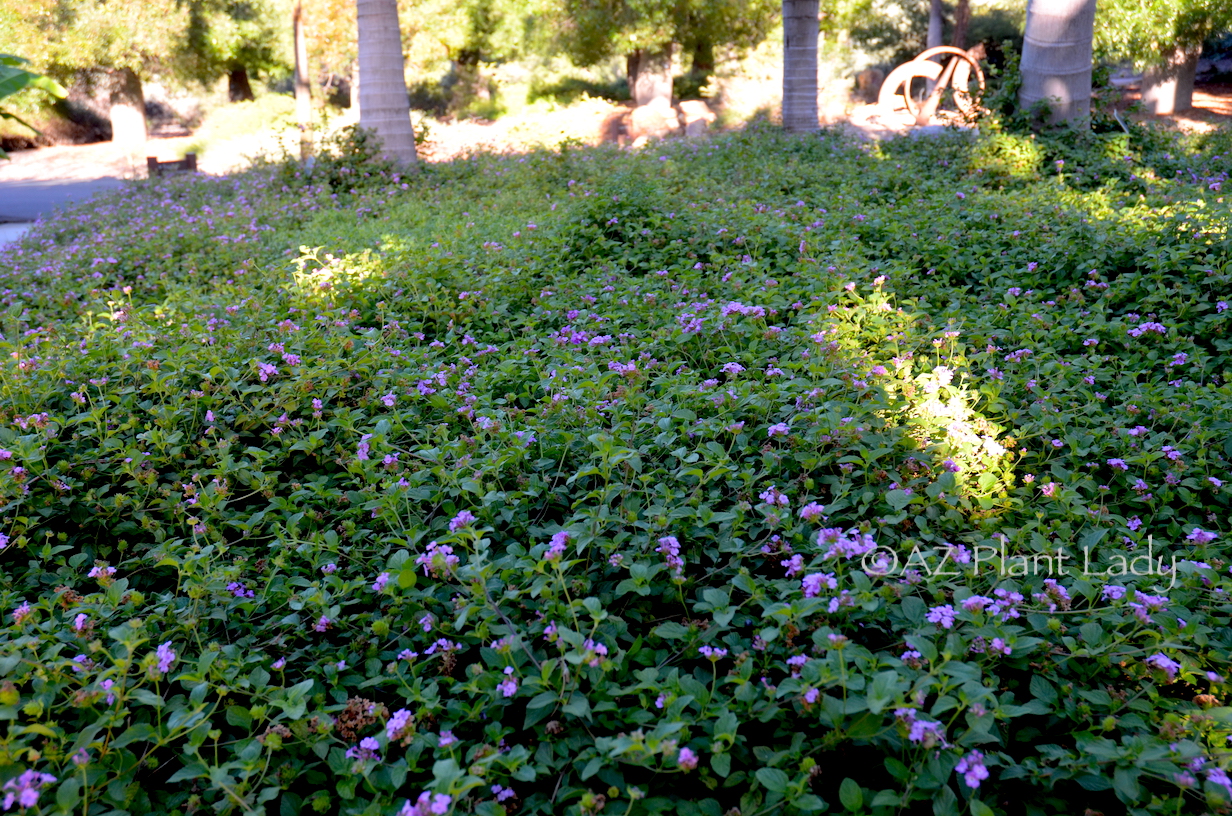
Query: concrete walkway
x,y
11,232
27,200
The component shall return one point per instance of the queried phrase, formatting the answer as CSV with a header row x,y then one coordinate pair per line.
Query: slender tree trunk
x,y
384,104
801,26
239,89
127,111
1056,58
962,21
936,23
1169,88
303,88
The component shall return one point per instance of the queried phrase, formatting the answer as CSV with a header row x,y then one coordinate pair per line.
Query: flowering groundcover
x,y
744,476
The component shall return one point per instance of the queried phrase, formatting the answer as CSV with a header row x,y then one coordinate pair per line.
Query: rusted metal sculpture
x,y
961,73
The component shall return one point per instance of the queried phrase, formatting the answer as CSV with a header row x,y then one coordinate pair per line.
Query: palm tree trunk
x,y
936,23
801,25
303,88
384,105
1056,58
1169,88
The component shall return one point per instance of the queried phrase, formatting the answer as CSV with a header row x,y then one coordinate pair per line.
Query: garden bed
x,y
749,475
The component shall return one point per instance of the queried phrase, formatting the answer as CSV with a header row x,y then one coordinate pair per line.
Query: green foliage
x,y
595,30
225,34
544,484
14,79
1149,31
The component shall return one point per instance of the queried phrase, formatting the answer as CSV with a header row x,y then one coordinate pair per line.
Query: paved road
x,y
27,200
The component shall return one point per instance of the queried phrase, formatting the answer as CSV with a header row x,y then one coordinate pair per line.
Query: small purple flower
x,y
686,759
778,429
556,550
23,791
365,751
812,511
1200,536
166,657
1161,662
1119,464
465,518
329,569
381,580
396,728
446,739
428,804
322,624
971,766
942,615
509,686
813,584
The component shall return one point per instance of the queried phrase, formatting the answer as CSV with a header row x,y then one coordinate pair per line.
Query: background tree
x,y
1164,37
646,32
800,35
236,39
120,43
1056,58
384,106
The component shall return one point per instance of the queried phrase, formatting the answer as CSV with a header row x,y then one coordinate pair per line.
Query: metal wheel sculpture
x,y
961,73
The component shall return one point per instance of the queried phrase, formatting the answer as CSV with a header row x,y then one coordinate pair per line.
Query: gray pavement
x,y
27,200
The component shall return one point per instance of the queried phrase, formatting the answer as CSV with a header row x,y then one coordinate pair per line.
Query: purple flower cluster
x,y
366,751
971,766
22,791
438,560
849,544
428,804
670,547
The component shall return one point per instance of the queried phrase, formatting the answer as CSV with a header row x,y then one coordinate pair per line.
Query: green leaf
x,y
773,779
721,763
883,691
1041,689
898,499
671,631
851,795
978,808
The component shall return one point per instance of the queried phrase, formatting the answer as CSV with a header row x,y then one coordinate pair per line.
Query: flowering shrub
x,y
751,475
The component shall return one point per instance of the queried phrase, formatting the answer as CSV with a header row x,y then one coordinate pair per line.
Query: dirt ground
x,y
589,122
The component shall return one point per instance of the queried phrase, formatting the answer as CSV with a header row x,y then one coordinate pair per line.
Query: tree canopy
x,y
1150,31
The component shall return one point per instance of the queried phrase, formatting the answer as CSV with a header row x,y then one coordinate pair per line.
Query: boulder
x,y
654,121
696,117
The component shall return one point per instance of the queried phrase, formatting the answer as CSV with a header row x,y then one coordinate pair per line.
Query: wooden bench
x,y
188,164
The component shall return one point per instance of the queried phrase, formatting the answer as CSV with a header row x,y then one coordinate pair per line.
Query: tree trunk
x,y
1169,88
1056,58
702,63
936,23
962,21
384,104
127,111
239,89
303,88
801,25
650,76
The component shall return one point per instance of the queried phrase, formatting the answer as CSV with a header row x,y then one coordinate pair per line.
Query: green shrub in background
x,y
724,475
